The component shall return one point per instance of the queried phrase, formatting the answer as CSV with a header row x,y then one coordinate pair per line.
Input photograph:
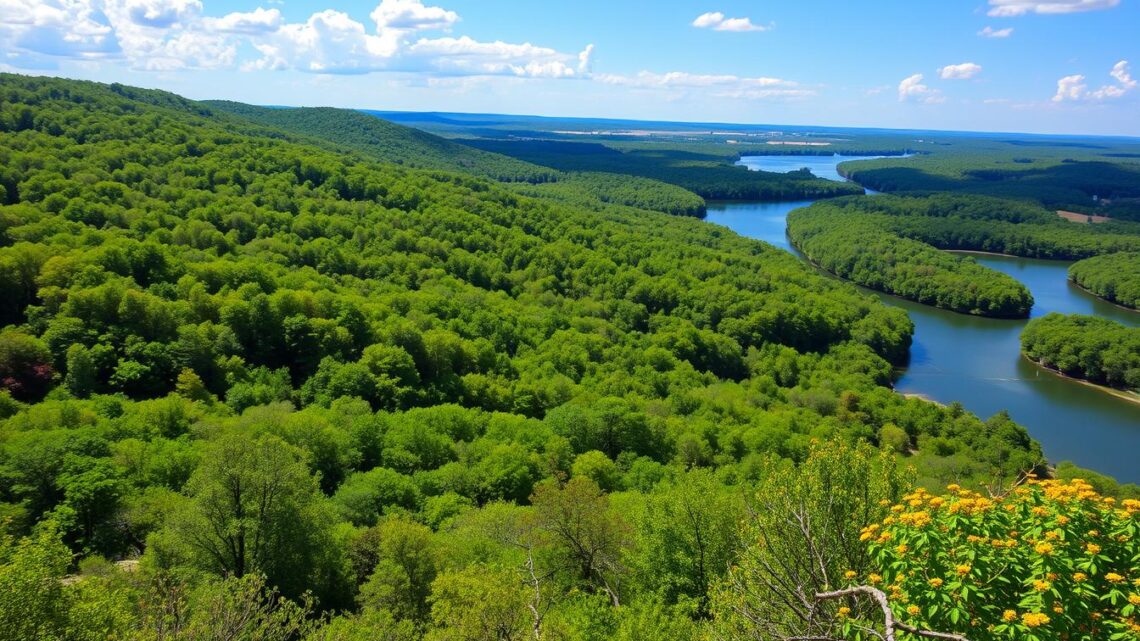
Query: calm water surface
x,y
977,361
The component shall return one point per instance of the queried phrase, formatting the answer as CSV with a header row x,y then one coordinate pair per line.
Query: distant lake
x,y
821,166
977,361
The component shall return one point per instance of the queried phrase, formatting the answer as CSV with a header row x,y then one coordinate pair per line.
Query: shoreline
x,y
893,295
1131,397
1102,298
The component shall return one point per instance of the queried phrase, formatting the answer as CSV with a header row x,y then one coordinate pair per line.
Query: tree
x,y
597,467
478,603
591,537
245,608
25,365
687,535
802,538
82,372
32,602
255,508
404,571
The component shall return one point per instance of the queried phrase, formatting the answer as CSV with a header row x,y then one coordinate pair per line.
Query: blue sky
x,y
1056,66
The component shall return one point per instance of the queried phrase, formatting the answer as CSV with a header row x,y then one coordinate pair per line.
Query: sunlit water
x,y
977,361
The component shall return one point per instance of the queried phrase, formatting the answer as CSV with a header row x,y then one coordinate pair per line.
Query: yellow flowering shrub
x,y
1049,560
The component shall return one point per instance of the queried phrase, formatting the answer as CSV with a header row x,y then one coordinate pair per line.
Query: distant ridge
x,y
386,141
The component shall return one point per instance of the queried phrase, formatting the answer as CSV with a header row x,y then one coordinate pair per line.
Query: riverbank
x,y
1000,317
1131,397
1102,298
976,360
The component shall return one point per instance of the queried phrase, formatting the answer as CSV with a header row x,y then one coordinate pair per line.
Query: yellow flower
x,y
1113,577
912,610
1080,577
874,579
1034,619
1062,519
850,574
962,570
844,611
1043,548
1134,599
1009,615
1092,548
1041,586
953,487
902,548
1058,609
936,582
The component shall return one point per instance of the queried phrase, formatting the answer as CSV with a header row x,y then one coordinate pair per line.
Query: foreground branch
x,y
890,625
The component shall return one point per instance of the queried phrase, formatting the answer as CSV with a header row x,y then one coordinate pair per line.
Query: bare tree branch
x,y
890,625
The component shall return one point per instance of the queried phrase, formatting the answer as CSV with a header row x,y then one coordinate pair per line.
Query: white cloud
x,y
328,42
1010,8
719,85
1073,88
254,22
717,21
470,57
911,88
167,35
963,71
55,28
990,32
1070,88
1120,72
584,59
159,14
411,15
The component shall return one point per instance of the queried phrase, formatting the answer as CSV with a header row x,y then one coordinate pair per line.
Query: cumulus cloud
x,y
963,71
717,21
1075,87
254,22
412,15
584,59
911,88
1011,8
55,28
990,32
1070,88
720,85
167,35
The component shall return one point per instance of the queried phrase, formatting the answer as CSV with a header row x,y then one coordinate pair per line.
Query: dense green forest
x,y
840,238
982,223
350,130
709,174
256,388
1086,347
1094,178
1113,277
385,141
593,189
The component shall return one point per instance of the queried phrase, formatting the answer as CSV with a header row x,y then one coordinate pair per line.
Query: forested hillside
x,y
386,141
1087,347
254,388
1085,177
350,130
889,243
711,175
839,237
1113,277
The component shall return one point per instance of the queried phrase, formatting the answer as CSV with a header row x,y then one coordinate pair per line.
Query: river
x,y
977,361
